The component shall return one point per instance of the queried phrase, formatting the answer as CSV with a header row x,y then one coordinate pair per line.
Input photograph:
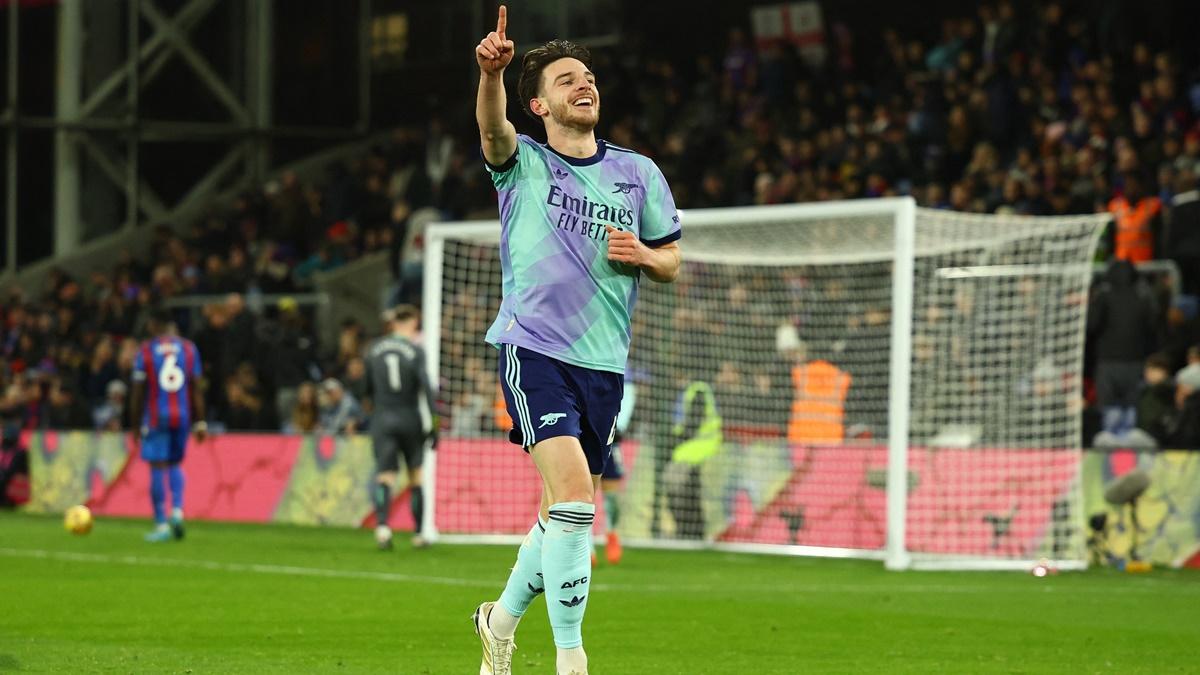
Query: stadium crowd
x,y
1037,114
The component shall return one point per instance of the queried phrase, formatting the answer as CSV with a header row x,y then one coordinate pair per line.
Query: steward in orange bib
x,y
1137,223
819,400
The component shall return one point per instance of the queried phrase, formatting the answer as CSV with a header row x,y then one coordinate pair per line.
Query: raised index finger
x,y
502,21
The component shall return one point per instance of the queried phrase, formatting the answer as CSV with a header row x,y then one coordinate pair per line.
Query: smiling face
x,y
568,95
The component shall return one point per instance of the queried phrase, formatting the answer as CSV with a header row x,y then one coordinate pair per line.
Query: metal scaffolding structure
x,y
10,160
105,125
118,65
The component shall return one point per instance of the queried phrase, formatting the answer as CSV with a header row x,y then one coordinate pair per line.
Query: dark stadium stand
x,y
1039,115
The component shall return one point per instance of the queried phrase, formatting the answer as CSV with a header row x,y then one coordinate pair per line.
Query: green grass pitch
x,y
272,599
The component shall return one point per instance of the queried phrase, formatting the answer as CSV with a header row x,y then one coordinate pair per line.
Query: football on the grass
x,y
78,520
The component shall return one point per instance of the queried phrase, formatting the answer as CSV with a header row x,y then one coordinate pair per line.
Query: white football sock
x,y
503,624
571,659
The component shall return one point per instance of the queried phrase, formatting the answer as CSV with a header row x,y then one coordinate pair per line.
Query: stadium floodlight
x,y
892,382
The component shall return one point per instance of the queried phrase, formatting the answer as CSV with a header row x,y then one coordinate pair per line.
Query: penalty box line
x,y
396,577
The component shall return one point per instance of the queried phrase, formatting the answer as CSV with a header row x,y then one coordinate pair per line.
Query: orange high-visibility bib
x,y
819,406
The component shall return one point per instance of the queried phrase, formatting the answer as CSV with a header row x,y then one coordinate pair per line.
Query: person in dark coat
x,y
1181,235
1120,317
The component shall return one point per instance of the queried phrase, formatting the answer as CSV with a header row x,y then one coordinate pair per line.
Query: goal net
x,y
852,379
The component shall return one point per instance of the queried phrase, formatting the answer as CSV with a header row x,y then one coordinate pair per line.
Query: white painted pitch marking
x,y
259,568
988,586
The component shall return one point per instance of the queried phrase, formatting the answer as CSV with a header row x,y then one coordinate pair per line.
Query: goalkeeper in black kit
x,y
402,423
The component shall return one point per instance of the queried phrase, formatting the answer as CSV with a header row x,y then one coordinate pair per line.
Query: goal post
x,y
899,381
890,383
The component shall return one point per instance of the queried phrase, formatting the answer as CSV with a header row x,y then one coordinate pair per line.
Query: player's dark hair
x,y
159,319
535,62
404,313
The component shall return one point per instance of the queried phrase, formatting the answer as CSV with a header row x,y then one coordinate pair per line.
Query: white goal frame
x,y
903,211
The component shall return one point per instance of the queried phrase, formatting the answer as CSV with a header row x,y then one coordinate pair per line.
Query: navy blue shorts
x,y
548,398
614,469
164,445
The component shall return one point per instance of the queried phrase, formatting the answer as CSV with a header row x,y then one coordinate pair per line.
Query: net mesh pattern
x,y
762,386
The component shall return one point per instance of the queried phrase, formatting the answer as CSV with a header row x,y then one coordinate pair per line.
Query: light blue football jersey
x,y
562,296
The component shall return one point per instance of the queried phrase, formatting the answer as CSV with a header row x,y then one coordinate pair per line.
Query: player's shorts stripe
x,y
513,373
508,379
522,400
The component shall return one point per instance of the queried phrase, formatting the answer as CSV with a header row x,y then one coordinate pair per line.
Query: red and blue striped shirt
x,y
167,365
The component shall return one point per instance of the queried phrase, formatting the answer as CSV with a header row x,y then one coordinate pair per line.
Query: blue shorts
x,y
164,445
614,468
548,398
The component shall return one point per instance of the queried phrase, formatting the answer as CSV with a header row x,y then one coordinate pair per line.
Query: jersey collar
x,y
601,148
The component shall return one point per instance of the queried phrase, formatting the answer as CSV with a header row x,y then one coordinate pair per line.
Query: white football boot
x,y
497,652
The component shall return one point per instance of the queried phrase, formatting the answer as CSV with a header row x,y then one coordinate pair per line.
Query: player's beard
x,y
580,120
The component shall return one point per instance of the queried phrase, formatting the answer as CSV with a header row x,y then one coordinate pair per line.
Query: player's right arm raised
x,y
496,133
